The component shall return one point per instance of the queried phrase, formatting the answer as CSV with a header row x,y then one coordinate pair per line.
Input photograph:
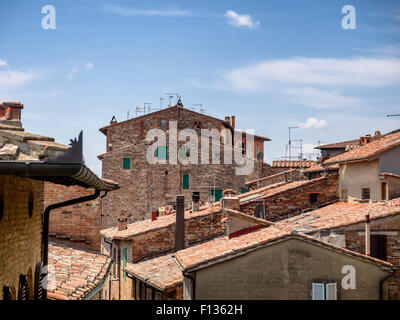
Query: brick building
x,y
26,161
147,187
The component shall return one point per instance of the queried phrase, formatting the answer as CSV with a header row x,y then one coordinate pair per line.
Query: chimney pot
x,y
195,201
122,222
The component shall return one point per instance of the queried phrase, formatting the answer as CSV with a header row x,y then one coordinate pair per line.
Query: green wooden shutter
x,y
126,163
124,259
185,181
217,194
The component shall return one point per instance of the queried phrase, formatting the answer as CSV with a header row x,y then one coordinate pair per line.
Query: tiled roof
x,y
222,249
76,272
339,145
161,272
293,163
320,167
372,149
143,226
341,214
275,189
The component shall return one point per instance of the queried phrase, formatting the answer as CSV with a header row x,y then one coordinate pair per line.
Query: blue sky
x,y
272,63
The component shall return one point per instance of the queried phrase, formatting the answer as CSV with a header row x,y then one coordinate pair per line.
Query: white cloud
x,y
313,123
127,11
240,20
88,65
72,73
3,63
317,71
10,78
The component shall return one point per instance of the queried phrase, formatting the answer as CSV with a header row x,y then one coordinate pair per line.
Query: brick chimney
x,y
233,121
180,224
10,113
122,222
230,203
365,139
195,201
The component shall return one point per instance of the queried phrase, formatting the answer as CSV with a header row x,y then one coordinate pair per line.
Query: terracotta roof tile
x,y
365,152
76,272
161,272
341,214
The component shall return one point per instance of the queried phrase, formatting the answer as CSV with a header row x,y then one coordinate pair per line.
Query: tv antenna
x,y
393,115
170,97
202,109
139,109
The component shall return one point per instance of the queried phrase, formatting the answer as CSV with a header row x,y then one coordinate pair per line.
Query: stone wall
x,y
293,201
20,234
78,225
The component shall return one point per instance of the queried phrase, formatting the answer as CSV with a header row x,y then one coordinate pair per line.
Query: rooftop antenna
x,y
148,104
201,107
127,115
170,97
139,109
161,100
393,115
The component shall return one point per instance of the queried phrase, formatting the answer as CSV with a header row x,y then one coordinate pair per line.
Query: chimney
x,y
230,203
195,201
367,235
10,113
233,122
228,119
122,222
365,139
377,133
113,120
180,223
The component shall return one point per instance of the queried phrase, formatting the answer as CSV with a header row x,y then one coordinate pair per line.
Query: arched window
x,y
23,288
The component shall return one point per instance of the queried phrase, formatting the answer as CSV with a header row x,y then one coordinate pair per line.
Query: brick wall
x,y
78,225
157,242
293,201
356,242
20,235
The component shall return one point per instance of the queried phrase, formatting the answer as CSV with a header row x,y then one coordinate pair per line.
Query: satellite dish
x,y
259,211
260,156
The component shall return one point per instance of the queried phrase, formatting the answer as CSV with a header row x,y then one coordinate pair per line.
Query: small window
x,y
30,205
197,125
384,191
365,194
185,181
378,246
313,198
161,152
324,291
163,124
126,163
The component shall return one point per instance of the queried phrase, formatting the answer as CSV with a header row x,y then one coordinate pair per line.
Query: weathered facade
x,y
146,187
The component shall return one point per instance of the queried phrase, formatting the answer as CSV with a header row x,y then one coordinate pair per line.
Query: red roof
x,y
368,151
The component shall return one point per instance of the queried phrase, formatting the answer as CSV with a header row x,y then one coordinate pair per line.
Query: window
x,y
384,191
161,152
378,246
126,163
197,125
324,291
313,197
217,193
124,258
365,194
185,181
163,124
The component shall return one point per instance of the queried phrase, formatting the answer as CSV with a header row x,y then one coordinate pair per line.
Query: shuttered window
x,y
217,193
365,194
124,258
185,181
161,152
324,291
318,291
126,163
